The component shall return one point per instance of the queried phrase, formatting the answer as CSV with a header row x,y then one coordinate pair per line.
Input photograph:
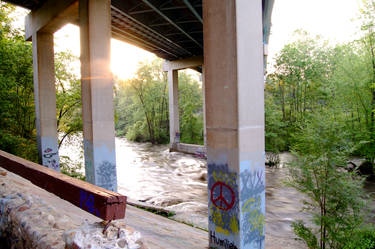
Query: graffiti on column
x,y
177,138
221,242
106,175
89,167
49,159
223,205
252,207
201,153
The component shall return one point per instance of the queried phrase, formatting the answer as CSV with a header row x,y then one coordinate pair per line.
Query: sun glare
x,y
124,57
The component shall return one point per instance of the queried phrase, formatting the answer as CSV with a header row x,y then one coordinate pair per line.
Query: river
x,y
176,181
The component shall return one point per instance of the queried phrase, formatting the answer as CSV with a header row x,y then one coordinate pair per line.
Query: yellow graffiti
x,y
216,216
228,178
256,217
257,222
219,223
247,207
233,224
222,230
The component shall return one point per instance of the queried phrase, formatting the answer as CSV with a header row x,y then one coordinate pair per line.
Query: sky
x,y
334,20
124,57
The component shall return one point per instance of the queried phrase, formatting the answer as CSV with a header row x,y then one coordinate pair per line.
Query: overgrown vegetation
x,y
17,125
320,104
335,197
311,77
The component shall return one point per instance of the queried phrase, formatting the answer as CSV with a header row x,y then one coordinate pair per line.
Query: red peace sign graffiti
x,y
220,201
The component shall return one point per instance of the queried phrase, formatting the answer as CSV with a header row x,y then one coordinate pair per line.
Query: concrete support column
x,y
45,99
174,120
204,109
97,93
234,85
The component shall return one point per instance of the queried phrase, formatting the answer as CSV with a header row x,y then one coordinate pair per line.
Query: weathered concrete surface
x,y
97,93
45,99
234,100
174,116
42,219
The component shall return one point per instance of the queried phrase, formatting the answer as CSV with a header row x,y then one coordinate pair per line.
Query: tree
x,y
17,120
68,96
368,25
299,86
142,112
335,197
190,109
143,104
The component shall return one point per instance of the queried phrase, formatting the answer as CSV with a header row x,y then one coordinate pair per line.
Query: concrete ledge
x,y
31,217
193,149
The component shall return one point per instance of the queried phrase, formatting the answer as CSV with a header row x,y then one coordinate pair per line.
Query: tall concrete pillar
x,y
97,93
233,59
45,99
174,120
204,109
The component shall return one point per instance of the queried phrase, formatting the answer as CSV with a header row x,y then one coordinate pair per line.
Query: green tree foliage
x,y
142,111
190,109
298,87
17,116
142,107
335,197
17,125
68,96
320,103
311,77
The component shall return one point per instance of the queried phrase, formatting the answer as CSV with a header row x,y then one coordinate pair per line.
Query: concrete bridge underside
x,y
225,40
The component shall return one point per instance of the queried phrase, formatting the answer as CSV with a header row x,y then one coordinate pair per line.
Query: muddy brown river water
x,y
177,182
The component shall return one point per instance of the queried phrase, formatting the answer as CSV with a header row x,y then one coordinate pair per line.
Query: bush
x,y
19,146
363,238
335,197
137,132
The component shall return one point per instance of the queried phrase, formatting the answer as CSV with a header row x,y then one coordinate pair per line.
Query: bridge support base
x,y
45,99
234,96
97,93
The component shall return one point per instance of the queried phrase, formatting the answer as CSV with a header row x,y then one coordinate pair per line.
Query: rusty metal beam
x,y
98,201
